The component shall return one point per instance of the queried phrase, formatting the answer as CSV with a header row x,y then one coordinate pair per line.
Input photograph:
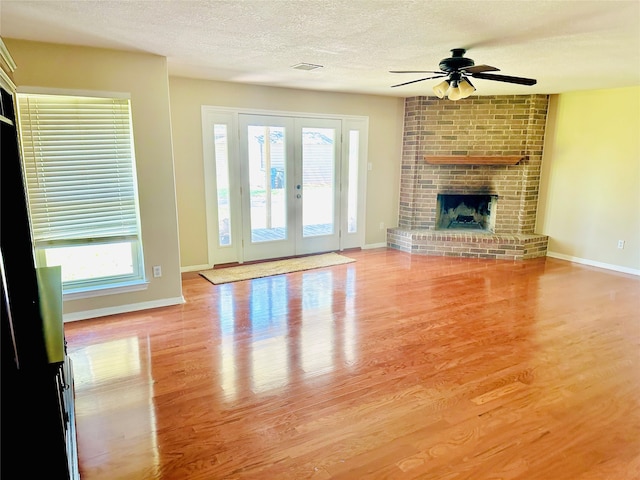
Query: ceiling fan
x,y
457,69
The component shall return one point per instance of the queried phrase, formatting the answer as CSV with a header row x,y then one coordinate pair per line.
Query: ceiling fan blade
x,y
419,80
479,69
505,78
415,71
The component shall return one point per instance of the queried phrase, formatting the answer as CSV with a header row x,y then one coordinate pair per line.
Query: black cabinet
x,y
37,397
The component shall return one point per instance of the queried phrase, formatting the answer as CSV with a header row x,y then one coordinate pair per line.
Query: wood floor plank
x,y
391,367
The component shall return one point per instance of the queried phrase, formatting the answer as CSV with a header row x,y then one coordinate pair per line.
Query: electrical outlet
x,y
381,225
157,271
620,243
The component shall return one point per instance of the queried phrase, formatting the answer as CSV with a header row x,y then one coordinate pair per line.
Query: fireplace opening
x,y
466,212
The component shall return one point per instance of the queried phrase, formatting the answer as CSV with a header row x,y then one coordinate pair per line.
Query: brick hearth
x,y
479,126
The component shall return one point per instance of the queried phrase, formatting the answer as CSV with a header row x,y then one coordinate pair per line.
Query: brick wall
x,y
491,125
482,126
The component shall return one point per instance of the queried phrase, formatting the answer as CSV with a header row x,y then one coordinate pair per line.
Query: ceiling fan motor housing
x,y
456,61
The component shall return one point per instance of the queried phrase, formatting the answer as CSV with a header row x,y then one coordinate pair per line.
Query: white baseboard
x,y
102,312
195,268
374,245
593,263
199,268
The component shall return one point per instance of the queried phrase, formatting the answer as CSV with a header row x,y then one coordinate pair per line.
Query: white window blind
x,y
79,168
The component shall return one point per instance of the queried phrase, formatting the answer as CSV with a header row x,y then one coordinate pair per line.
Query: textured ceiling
x,y
565,44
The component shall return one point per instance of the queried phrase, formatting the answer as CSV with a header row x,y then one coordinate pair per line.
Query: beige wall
x,y
145,78
589,192
384,149
590,184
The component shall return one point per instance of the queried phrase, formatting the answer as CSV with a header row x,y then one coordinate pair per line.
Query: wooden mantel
x,y
472,160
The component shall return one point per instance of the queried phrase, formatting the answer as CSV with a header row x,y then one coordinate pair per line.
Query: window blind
x,y
79,168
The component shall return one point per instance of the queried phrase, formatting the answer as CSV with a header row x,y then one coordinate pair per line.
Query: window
x,y
79,171
222,182
352,200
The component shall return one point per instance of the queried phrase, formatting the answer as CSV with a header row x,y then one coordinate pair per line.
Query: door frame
x,y
233,253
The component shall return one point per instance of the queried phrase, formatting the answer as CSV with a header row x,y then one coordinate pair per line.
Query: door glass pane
x,y
352,200
318,167
222,184
267,185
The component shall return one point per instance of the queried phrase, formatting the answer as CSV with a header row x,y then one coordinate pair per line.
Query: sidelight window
x,y
221,148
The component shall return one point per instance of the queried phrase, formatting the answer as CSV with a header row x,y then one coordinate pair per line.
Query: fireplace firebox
x,y
466,212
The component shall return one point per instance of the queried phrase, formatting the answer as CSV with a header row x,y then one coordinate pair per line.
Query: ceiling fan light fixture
x,y
466,88
457,69
441,89
454,93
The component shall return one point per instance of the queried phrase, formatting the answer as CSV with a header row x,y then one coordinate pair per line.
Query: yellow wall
x,y
384,149
145,77
590,185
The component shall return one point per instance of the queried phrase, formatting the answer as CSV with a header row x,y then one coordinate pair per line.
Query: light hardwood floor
x,y
392,367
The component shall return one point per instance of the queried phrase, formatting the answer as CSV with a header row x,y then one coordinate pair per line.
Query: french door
x,y
290,184
282,185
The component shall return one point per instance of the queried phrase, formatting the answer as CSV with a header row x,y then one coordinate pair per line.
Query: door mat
x,y
276,267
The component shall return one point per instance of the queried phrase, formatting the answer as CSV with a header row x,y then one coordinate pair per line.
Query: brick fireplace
x,y
489,148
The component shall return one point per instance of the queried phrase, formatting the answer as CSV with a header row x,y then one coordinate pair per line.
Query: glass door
x,y
318,186
267,185
290,172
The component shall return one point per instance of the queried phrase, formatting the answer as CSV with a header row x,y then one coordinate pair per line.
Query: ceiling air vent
x,y
306,66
